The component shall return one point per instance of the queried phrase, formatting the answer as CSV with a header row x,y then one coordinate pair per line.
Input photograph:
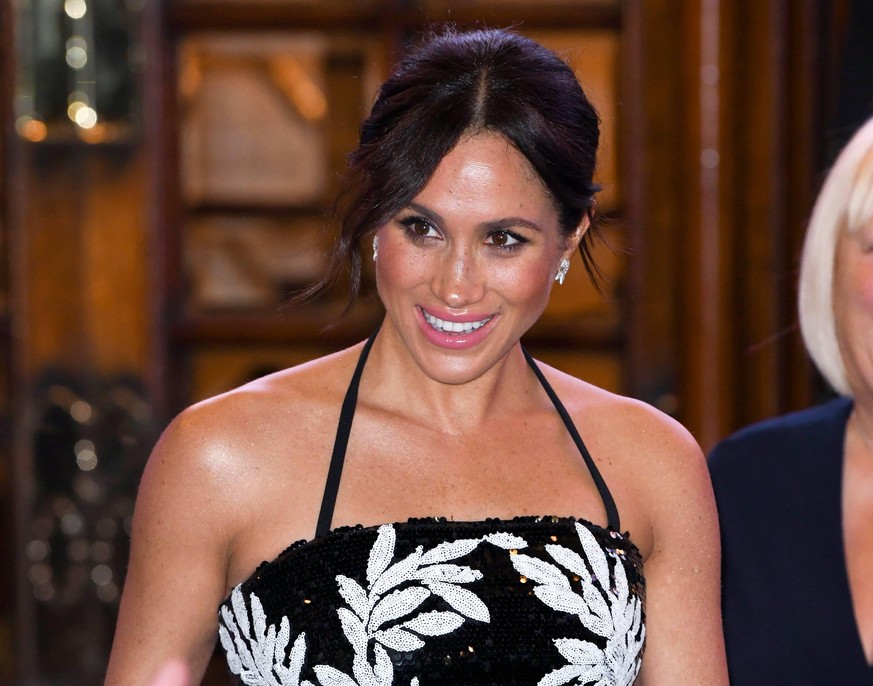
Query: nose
x,y
459,280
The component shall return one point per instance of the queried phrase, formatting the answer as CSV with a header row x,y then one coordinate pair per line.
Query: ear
x,y
575,238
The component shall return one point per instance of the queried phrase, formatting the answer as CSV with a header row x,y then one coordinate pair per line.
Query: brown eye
x,y
420,228
500,238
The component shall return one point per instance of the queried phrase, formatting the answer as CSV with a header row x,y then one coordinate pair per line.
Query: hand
x,y
172,673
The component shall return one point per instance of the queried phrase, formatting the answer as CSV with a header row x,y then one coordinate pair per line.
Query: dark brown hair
x,y
491,80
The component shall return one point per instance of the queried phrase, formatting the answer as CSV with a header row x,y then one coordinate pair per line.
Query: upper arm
x,y
684,639
176,577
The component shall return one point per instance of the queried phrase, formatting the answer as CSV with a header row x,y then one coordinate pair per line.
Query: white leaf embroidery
x,y
434,623
395,605
255,651
354,630
384,668
354,595
594,553
395,574
363,670
569,559
462,600
579,652
454,574
540,571
506,541
381,553
398,639
425,574
328,676
608,612
450,550
560,676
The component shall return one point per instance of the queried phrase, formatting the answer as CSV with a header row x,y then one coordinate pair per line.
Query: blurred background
x,y
164,172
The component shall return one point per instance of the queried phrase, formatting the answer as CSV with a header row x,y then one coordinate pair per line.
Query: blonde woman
x,y
795,494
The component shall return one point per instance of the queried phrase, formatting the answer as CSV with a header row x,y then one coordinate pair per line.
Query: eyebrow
x,y
496,225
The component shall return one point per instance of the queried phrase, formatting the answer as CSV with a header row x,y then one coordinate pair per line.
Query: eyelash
x,y
409,222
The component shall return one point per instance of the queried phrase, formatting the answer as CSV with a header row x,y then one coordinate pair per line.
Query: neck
x,y
862,429
457,408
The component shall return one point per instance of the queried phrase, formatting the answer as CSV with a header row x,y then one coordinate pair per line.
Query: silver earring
x,y
375,247
563,268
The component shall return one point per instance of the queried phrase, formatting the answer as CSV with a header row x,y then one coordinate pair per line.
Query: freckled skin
x,y
483,179
461,433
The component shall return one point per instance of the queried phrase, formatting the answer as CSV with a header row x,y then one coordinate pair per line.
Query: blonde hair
x,y
844,203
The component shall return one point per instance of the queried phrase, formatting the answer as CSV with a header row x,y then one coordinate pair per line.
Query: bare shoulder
x,y
620,424
220,458
652,465
235,430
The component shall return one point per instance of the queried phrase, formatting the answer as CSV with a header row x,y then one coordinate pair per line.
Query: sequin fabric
x,y
532,600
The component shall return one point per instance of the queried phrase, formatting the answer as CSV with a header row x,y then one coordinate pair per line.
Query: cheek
x,y
864,285
397,267
523,284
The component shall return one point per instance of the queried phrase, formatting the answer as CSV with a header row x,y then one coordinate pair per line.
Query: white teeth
x,y
453,327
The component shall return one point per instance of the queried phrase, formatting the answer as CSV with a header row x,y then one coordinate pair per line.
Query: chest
x,y
858,535
478,602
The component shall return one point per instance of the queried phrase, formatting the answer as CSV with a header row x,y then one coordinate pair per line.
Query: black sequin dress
x,y
531,600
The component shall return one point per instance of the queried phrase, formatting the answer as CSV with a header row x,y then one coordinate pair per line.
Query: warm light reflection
x,y
75,9
298,86
86,460
98,133
86,117
191,74
77,52
80,411
31,129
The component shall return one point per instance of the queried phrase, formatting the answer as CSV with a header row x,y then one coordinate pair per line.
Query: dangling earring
x,y
563,268
375,247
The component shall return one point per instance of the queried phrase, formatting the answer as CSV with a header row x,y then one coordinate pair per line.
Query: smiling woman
x,y
451,524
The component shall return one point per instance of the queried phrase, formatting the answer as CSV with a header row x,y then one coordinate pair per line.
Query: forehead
x,y
485,169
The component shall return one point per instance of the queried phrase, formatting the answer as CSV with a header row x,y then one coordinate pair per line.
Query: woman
x,y
795,494
452,526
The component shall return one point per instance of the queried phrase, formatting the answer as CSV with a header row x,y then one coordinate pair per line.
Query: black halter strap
x,y
612,517
344,428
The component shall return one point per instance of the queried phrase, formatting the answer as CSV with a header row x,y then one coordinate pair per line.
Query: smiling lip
x,y
457,333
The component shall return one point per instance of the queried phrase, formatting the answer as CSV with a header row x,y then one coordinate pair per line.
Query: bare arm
x,y
684,641
176,578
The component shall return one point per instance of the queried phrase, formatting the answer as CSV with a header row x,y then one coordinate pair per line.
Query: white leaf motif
x,y
454,574
399,639
569,559
463,601
560,676
506,541
450,550
606,611
562,599
395,574
295,659
395,605
354,630
384,669
259,657
363,670
354,595
540,571
595,554
328,676
579,652
434,623
381,553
